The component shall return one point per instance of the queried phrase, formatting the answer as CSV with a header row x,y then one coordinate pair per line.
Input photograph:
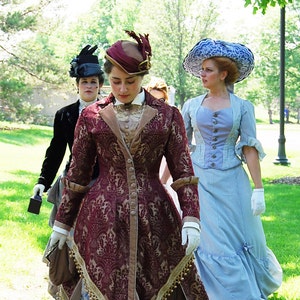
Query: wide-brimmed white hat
x,y
208,48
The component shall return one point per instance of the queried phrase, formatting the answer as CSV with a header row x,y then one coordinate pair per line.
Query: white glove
x,y
58,235
38,189
258,205
190,236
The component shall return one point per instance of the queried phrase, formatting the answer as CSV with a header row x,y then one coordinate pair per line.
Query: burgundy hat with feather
x,y
133,58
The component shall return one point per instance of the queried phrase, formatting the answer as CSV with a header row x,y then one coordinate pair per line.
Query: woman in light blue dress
x,y
233,259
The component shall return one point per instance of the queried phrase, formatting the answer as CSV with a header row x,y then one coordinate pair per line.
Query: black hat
x,y
85,64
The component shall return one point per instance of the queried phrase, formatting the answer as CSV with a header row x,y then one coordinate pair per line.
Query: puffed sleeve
x,y
248,131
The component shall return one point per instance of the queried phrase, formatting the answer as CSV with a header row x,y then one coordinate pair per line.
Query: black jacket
x,y
63,134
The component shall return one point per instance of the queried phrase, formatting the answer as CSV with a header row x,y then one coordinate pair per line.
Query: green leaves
x,y
263,4
16,21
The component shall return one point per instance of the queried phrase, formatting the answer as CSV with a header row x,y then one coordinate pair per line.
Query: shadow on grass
x,y
275,296
281,220
15,197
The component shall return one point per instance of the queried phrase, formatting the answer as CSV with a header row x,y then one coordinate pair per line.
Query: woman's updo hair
x,y
227,64
107,66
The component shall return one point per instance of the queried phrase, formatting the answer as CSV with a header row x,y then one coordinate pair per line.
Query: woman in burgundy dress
x,y
129,240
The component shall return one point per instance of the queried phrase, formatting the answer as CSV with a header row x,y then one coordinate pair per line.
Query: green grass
x,y
24,235
281,220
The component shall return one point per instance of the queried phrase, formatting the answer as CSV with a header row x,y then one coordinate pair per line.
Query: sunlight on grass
x,y
291,266
290,287
268,218
17,155
13,126
5,192
16,257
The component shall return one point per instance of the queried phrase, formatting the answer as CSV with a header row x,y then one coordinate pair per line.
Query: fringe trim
x,y
89,285
176,277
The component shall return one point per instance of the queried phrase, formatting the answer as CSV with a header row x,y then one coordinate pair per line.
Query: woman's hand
x,y
191,236
258,205
59,236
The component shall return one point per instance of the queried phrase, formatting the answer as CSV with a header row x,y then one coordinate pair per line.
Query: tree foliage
x,y
264,4
25,55
264,85
180,25
38,41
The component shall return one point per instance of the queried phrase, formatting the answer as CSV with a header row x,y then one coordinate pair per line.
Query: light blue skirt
x,y
233,259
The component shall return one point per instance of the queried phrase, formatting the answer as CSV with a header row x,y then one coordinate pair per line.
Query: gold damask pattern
x,y
128,230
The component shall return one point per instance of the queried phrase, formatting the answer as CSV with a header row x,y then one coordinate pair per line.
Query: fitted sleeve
x,y
180,166
78,176
248,131
54,154
83,153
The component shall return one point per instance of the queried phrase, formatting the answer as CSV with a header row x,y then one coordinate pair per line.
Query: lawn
x,y
24,235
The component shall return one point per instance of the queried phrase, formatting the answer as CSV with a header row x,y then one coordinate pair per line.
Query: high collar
x,y
83,104
138,100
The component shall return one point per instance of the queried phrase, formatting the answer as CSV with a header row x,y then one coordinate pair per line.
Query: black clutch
x,y
35,204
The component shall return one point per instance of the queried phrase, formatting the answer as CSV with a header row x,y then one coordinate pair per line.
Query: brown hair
x,y
100,77
107,66
227,64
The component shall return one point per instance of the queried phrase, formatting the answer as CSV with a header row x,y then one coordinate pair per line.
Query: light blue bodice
x,y
216,138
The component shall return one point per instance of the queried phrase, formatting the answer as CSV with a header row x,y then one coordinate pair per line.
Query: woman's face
x,y
124,87
88,88
210,74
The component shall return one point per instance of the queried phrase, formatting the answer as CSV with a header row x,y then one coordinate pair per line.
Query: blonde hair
x,y
158,84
